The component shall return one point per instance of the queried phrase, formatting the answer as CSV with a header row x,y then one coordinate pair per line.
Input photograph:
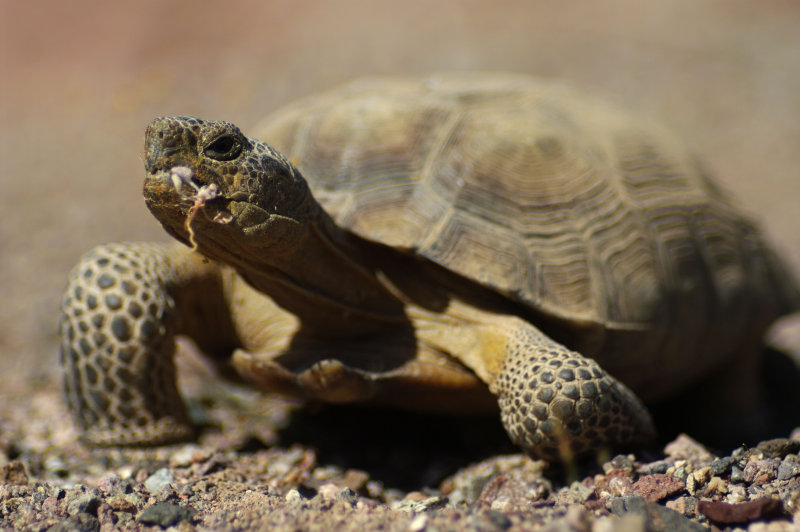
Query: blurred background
x,y
79,81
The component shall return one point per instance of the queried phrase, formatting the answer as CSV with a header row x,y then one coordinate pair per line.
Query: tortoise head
x,y
231,197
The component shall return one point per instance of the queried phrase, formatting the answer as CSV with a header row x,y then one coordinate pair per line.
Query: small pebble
x,y
683,505
736,494
141,475
161,479
121,503
702,475
125,472
685,448
761,472
356,479
580,492
109,483
716,484
374,489
328,491
660,466
293,496
788,470
348,496
622,462
619,486
87,503
188,455
691,485
679,469
416,506
697,479
418,524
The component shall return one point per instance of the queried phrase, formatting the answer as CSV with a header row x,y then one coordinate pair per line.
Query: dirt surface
x,y
81,79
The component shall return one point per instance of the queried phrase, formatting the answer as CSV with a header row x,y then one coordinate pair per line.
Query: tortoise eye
x,y
224,148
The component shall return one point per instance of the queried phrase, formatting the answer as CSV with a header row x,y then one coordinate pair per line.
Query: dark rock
x,y
660,466
657,517
165,514
721,466
81,522
778,448
726,513
737,475
630,503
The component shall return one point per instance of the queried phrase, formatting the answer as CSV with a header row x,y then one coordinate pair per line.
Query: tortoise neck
x,y
329,280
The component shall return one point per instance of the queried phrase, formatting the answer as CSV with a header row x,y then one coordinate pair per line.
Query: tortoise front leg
x,y
556,403
117,344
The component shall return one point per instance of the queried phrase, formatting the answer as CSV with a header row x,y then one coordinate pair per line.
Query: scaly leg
x,y
117,328
556,403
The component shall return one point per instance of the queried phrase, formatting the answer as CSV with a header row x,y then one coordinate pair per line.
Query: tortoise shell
x,y
562,202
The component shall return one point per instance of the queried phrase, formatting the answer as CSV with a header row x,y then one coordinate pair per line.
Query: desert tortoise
x,y
446,244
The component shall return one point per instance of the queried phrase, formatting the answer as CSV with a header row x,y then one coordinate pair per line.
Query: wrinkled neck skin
x,y
323,274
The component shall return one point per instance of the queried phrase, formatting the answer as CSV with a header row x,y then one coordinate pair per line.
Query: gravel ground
x,y
264,463
80,80
391,476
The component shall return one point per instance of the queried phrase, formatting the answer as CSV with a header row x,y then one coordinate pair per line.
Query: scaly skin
x,y
121,309
557,404
117,344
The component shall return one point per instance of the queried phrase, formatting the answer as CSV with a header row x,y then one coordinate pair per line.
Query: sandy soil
x,y
79,81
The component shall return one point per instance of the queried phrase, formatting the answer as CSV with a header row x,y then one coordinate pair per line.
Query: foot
x,y
556,404
117,346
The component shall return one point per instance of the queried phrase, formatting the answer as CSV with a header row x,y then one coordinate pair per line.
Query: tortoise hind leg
x,y
117,343
556,403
